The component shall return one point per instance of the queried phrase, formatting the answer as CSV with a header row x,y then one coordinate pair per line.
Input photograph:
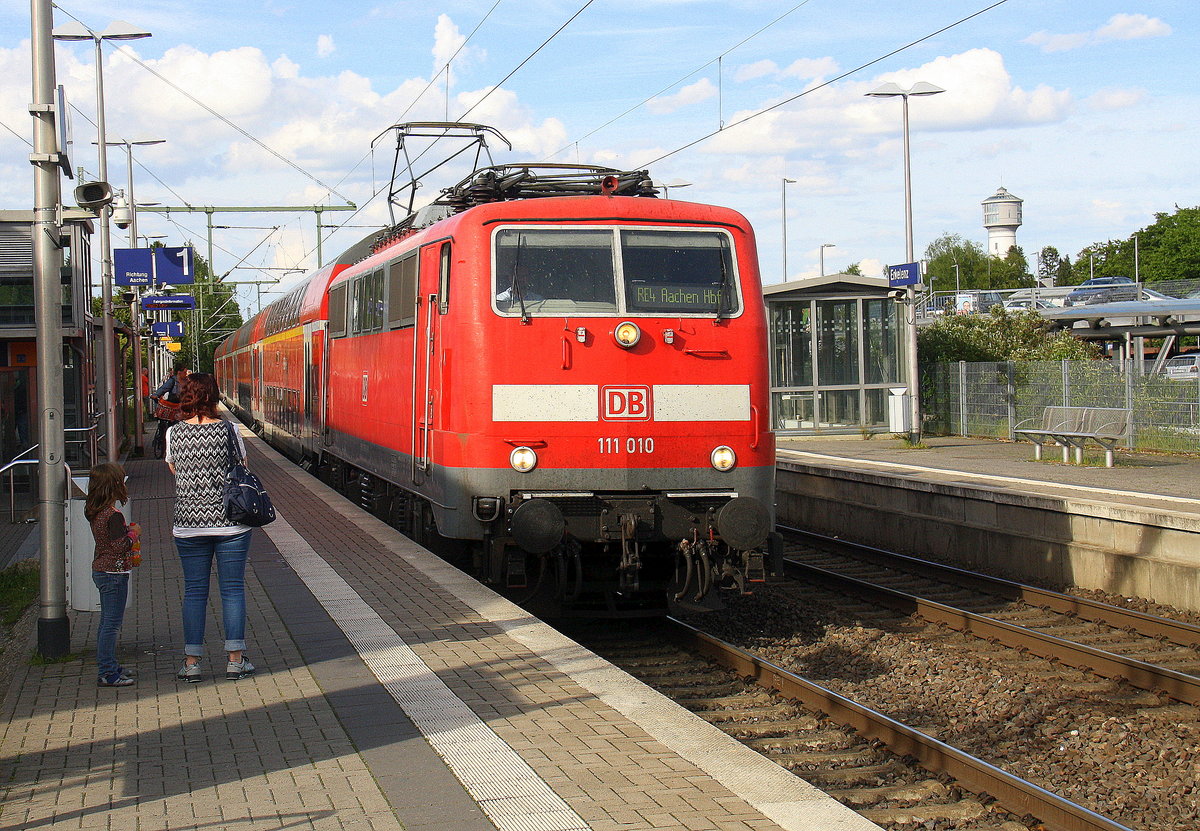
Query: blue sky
x,y
1085,110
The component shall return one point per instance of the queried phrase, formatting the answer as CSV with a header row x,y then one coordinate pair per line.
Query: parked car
x,y
1102,287
1023,304
1183,367
1123,293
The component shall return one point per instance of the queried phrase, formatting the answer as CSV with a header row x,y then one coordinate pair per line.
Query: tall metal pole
x,y
54,629
783,197
910,298
109,353
135,314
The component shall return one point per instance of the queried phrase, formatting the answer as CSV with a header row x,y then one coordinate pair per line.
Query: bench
x,y
1071,427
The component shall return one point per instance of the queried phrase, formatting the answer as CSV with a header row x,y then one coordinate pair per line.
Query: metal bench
x,y
1072,427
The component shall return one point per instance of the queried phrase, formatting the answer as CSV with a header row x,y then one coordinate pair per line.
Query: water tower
x,y
1001,217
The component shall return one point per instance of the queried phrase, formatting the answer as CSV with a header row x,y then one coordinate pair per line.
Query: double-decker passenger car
x,y
572,387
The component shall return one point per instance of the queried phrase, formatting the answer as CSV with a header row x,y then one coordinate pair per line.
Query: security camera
x,y
122,213
897,294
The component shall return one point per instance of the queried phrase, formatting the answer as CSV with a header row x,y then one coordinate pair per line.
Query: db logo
x,y
625,403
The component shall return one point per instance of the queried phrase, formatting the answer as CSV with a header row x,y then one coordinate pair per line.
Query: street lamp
x,y
891,90
674,183
129,145
117,30
783,194
825,245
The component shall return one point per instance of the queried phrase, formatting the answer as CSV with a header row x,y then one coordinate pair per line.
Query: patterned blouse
x,y
200,455
113,545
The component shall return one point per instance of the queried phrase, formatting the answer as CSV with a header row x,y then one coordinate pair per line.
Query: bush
x,y
1000,335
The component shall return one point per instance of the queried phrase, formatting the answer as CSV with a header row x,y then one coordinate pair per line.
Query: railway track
x,y
1149,652
891,773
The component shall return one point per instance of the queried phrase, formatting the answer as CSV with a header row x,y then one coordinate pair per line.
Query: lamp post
x,y
117,30
783,196
135,312
891,90
825,245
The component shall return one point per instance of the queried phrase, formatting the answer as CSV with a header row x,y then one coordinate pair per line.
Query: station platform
x,y
392,692
1131,530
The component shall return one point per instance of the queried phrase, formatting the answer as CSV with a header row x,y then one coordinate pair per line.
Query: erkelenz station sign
x,y
906,274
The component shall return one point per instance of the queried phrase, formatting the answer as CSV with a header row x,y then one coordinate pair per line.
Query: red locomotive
x,y
571,390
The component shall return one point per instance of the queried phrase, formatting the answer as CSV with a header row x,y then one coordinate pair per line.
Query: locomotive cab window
x,y
554,272
573,272
678,272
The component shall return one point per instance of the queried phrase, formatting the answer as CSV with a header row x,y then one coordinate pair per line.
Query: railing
x,y
91,440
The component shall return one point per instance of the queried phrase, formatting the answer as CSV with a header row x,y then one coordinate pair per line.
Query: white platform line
x,y
988,477
506,788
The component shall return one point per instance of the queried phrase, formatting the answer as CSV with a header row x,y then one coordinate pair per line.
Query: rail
x,y
1015,794
1147,676
10,469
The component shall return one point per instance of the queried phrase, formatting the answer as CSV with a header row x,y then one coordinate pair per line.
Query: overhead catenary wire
x,y
679,81
823,84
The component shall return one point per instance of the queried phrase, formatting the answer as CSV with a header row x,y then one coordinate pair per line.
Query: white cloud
x,y
758,69
702,90
811,68
1113,98
325,46
1118,27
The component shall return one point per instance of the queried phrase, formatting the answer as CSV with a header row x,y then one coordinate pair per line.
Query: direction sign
x,y
174,301
907,274
133,267
168,328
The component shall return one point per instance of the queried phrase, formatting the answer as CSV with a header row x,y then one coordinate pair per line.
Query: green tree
x,y
949,250
1011,271
853,268
1000,335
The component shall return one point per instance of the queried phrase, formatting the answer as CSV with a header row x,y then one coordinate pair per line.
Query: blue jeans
x,y
114,591
196,554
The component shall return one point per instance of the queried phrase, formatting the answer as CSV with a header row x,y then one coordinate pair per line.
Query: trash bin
x,y
899,410
82,594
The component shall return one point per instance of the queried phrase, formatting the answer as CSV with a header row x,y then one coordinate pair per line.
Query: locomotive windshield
x,y
585,272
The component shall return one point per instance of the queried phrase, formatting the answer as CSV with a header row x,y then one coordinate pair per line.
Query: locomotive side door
x,y
432,299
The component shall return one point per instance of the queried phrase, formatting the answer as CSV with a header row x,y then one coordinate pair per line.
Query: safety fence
x,y
992,399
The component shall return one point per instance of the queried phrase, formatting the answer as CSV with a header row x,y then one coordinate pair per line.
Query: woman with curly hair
x,y
198,454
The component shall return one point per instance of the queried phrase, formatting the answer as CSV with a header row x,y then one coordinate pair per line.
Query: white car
x,y
1183,367
1027,303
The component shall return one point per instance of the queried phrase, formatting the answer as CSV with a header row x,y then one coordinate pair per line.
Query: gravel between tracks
x,y
1121,752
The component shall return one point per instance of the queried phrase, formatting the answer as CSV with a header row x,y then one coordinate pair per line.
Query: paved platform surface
x,y
1166,482
392,692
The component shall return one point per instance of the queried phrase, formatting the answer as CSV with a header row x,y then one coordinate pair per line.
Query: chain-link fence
x,y
993,399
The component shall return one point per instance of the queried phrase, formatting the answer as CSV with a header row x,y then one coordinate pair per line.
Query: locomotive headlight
x,y
723,458
523,459
627,334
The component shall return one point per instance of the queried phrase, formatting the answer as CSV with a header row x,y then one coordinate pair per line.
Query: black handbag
x,y
246,500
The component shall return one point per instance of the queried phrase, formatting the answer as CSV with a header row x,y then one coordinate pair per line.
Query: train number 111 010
x,y
632,444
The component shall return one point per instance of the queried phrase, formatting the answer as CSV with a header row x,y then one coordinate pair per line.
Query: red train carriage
x,y
574,387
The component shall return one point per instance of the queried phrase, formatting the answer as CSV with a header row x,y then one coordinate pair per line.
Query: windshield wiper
x,y
723,286
516,278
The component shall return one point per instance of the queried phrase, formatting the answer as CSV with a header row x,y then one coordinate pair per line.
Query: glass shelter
x,y
836,348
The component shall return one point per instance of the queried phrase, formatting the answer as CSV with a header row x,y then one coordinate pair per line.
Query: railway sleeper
x,y
782,731
810,736
739,713
911,792
867,774
827,758
961,811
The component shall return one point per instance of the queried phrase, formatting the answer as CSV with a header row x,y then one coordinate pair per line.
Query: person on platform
x,y
146,402
197,452
117,551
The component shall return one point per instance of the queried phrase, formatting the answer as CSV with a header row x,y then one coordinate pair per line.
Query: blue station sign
x,y
906,274
133,266
153,266
168,328
174,301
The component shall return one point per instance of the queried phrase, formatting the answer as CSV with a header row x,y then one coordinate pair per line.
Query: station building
x,y
837,349
19,420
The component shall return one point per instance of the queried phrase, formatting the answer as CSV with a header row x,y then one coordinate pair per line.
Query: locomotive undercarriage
x,y
586,554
